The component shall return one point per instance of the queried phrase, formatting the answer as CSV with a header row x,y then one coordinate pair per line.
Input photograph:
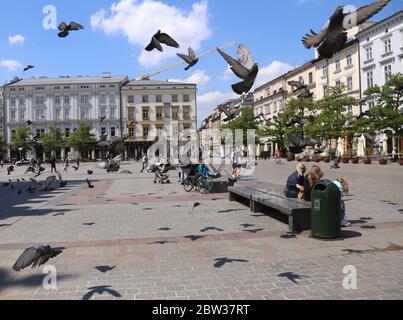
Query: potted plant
x,y
298,158
383,161
289,158
345,160
326,159
355,161
401,162
367,161
317,159
307,159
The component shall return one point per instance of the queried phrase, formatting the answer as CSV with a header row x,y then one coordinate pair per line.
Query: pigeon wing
x,y
296,140
75,26
245,57
154,44
364,13
235,65
192,54
28,257
169,41
246,85
314,39
185,57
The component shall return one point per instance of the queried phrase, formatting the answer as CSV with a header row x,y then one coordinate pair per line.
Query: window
x,y
337,63
85,113
174,98
146,114
113,113
371,104
338,82
103,131
22,115
368,52
388,72
67,100
159,130
130,99
144,99
370,79
175,113
39,114
66,113
186,113
84,98
57,114
146,131
325,91
349,59
21,102
186,98
39,100
388,46
131,113
112,98
131,132
158,98
57,100
40,133
350,84
102,98
12,101
67,132
350,109
159,113
113,132
324,71
103,112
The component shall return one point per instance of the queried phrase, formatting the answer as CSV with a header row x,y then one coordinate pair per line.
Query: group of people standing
x,y
299,186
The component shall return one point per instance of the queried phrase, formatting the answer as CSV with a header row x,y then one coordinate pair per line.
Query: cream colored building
x,y
152,108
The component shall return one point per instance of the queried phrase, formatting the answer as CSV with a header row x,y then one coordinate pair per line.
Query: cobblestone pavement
x,y
159,247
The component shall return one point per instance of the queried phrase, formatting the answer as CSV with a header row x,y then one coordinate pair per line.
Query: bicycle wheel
x,y
205,186
189,184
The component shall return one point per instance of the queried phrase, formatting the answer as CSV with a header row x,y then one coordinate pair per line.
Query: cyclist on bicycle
x,y
203,170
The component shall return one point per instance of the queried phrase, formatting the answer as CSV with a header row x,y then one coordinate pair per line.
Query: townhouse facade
x,y
152,108
2,122
381,55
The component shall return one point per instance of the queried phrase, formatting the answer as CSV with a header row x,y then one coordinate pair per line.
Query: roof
x,y
379,23
65,80
157,83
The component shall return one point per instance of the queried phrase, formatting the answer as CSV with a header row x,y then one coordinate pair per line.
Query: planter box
x,y
345,161
307,160
289,159
299,159
317,160
367,161
327,160
401,162
355,161
383,162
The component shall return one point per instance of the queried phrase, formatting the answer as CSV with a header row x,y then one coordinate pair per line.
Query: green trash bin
x,y
326,211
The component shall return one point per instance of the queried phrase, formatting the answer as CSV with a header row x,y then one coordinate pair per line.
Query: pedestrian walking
x,y
145,163
53,165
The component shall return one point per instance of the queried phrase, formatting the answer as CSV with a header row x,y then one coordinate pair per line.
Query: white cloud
x,y
227,74
17,39
272,71
199,77
138,20
11,65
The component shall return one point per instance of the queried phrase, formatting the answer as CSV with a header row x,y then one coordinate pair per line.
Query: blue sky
x,y
113,40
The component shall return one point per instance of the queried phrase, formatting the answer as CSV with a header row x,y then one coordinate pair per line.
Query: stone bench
x,y
296,213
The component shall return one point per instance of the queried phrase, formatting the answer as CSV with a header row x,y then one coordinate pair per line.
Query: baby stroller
x,y
161,174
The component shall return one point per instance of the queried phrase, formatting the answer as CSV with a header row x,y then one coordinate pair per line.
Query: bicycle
x,y
204,185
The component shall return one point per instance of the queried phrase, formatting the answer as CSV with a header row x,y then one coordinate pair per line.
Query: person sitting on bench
x,y
295,182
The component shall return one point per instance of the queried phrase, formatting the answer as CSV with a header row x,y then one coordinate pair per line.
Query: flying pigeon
x,y
66,28
244,68
102,118
163,38
89,184
297,85
36,256
28,67
334,35
305,94
299,144
46,184
190,59
62,182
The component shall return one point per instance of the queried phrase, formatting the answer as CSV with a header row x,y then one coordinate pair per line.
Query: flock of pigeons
x,y
328,42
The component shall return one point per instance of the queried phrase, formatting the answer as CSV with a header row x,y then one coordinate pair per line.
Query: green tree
x,y
3,147
120,148
82,140
331,117
53,140
277,130
21,141
386,113
245,121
